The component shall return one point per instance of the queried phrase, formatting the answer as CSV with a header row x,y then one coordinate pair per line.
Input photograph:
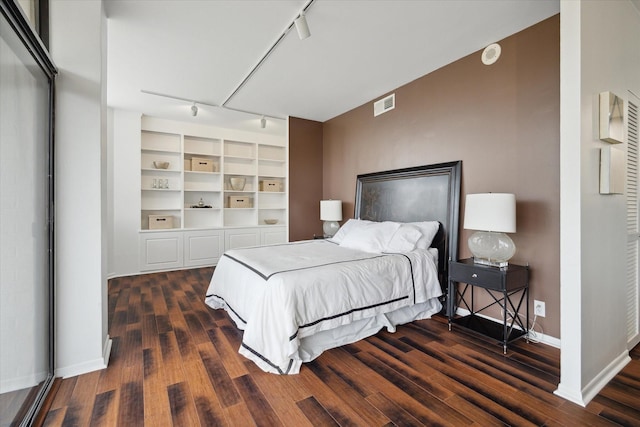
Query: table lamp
x,y
330,213
492,215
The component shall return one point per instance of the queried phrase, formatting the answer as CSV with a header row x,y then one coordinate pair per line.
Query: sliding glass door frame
x,y
32,42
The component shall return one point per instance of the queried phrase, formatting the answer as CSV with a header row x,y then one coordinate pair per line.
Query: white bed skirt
x,y
312,346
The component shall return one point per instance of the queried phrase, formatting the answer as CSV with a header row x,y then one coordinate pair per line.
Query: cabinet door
x,y
160,251
203,248
273,235
242,238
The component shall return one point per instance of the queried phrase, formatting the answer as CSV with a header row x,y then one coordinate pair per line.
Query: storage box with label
x,y
240,202
159,222
270,185
202,165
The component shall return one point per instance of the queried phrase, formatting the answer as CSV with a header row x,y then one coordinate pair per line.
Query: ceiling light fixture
x,y
194,110
273,47
302,27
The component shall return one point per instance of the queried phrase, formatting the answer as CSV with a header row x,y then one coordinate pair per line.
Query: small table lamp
x,y
330,213
492,214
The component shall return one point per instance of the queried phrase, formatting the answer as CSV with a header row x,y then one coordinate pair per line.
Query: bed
x,y
385,267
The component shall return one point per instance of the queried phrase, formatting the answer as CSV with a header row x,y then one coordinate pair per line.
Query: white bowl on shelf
x,y
237,183
161,165
270,221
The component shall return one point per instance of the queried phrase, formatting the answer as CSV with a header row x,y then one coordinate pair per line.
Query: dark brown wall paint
x,y
305,178
502,121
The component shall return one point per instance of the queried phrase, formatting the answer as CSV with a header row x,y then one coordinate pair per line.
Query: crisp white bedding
x,y
296,300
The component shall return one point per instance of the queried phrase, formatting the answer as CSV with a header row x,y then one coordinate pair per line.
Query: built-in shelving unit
x,y
179,191
201,212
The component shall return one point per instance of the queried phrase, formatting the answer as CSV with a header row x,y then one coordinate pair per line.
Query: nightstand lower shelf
x,y
488,328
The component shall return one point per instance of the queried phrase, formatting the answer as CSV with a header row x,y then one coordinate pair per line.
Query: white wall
x,y
76,46
126,192
599,51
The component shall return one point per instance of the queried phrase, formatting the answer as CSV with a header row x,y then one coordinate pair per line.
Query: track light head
x,y
194,110
302,27
263,122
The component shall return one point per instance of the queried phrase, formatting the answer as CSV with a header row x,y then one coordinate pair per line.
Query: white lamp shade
x,y
331,210
490,212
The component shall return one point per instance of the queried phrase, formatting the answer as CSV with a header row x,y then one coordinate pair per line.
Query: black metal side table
x,y
508,287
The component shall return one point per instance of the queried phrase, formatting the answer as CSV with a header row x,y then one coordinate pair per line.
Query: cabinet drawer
x,y
486,277
500,279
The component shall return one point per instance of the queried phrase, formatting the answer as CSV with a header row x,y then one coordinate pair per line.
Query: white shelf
x,y
201,173
231,158
158,150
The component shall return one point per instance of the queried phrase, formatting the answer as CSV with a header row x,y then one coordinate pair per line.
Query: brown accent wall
x,y
305,178
502,121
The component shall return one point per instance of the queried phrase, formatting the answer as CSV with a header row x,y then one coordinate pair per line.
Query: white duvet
x,y
282,294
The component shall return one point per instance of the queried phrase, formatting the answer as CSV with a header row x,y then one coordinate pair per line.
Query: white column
x,y
77,47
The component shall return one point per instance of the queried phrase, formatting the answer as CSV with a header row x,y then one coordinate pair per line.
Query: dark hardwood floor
x,y
174,361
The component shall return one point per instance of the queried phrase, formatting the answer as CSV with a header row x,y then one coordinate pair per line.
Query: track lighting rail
x,y
267,54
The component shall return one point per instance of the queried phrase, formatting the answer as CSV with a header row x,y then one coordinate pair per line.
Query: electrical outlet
x,y
538,307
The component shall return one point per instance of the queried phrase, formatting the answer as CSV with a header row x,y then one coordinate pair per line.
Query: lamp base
x,y
491,248
330,228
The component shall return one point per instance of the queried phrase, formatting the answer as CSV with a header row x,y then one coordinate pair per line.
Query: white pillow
x,y
429,229
404,239
371,237
347,227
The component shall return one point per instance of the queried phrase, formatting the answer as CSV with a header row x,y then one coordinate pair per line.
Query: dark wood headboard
x,y
423,193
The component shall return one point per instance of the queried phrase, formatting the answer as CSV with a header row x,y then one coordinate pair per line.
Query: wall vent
x,y
385,104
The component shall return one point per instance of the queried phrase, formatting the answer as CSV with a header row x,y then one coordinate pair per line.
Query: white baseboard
x,y
607,374
570,394
88,366
19,383
591,390
106,353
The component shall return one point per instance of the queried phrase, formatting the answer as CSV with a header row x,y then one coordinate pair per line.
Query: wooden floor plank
x,y
105,409
175,361
55,417
82,399
183,409
262,413
239,415
341,384
172,363
395,413
426,407
315,413
131,404
156,400
232,361
64,393
207,404
218,376
282,392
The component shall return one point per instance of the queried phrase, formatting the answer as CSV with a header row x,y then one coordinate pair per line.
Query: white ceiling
x,y
358,51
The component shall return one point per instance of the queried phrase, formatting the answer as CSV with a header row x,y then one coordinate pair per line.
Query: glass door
x,y
26,229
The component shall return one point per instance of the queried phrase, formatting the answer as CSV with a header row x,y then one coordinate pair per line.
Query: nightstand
x,y
508,288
